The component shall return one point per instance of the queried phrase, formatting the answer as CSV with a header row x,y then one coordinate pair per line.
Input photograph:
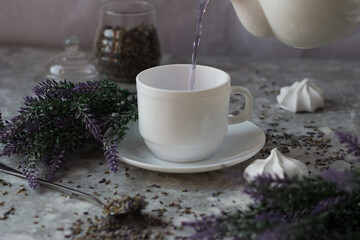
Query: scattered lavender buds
x,y
6,215
140,226
61,117
125,204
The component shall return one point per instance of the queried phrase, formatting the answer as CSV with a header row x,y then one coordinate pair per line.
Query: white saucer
x,y
241,142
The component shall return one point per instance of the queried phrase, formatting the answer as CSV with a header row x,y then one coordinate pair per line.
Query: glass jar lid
x,y
72,64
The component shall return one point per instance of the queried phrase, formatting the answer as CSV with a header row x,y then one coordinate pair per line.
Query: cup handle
x,y
245,115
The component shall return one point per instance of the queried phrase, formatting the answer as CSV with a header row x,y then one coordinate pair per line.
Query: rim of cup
x,y
139,79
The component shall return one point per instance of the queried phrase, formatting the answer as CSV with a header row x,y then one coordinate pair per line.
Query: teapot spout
x,y
251,15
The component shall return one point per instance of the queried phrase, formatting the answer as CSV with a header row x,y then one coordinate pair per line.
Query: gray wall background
x,y
47,23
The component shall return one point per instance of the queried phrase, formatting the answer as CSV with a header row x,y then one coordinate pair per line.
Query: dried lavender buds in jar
x,y
123,53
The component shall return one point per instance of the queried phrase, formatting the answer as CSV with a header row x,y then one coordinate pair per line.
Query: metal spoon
x,y
70,191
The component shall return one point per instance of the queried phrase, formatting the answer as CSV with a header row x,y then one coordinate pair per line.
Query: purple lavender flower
x,y
30,100
24,110
111,156
31,177
87,87
275,233
43,87
344,180
1,122
327,204
14,147
206,228
15,134
38,90
351,142
271,216
46,89
10,129
16,124
31,174
254,188
64,94
90,122
54,161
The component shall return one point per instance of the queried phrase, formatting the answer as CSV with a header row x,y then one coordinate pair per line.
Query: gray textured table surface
x,y
44,214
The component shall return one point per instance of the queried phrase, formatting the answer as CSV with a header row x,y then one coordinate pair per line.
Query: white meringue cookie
x,y
301,97
275,165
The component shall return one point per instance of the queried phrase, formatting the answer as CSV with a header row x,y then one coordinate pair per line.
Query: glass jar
x,y
127,41
72,64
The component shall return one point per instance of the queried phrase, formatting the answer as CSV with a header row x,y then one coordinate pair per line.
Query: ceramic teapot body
x,y
299,23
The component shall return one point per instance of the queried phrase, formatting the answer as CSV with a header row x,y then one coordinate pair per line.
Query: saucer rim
x,y
188,168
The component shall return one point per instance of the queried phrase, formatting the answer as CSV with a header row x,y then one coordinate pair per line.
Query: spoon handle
x,y
16,173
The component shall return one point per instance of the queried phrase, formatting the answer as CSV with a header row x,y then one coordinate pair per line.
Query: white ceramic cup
x,y
180,125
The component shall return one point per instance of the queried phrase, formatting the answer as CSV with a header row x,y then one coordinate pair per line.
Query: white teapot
x,y
299,23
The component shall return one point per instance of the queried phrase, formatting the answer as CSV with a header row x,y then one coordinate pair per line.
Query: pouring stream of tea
x,y
201,11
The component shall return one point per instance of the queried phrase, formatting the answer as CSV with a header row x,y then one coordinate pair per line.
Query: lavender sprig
x,y
83,113
291,208
61,117
52,88
30,170
206,228
111,156
87,87
346,182
326,204
1,122
116,126
54,161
